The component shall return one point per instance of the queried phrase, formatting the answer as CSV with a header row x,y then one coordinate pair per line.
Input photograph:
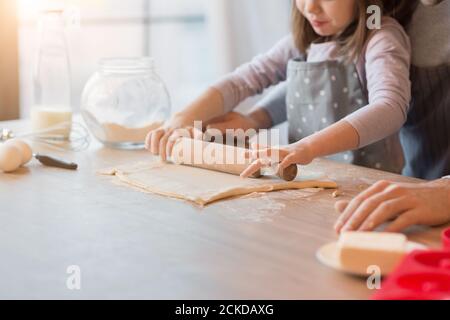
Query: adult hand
x,y
404,204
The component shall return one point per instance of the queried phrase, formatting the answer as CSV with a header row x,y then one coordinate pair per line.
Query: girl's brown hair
x,y
352,40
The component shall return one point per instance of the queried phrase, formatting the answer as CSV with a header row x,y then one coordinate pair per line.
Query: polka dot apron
x,y
322,93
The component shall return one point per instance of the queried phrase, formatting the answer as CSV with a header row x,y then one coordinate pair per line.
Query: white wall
x,y
189,56
245,28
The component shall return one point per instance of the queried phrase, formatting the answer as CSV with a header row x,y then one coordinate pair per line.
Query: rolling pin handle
x,y
56,163
289,173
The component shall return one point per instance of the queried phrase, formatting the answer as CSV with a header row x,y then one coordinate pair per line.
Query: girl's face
x,y
328,17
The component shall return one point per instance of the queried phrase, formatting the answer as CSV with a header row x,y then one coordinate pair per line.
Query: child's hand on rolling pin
x,y
162,134
297,153
161,141
208,106
404,204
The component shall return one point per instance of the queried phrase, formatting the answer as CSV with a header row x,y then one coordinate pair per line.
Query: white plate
x,y
329,256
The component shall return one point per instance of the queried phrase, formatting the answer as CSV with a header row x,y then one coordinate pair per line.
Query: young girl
x,y
347,87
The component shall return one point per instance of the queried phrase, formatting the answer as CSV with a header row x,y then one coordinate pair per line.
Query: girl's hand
x,y
161,140
406,204
298,153
208,106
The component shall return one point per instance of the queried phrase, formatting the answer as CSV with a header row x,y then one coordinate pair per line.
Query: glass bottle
x,y
52,84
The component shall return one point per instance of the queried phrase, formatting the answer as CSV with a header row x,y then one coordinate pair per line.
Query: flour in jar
x,y
116,133
113,132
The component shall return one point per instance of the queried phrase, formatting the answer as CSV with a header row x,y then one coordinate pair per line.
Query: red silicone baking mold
x,y
446,239
422,275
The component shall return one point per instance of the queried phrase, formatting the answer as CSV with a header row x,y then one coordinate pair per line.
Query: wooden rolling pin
x,y
219,157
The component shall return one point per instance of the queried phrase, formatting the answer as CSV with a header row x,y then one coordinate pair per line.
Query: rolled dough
x,y
199,185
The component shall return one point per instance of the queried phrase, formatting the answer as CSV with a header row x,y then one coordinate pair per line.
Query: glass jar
x,y
123,101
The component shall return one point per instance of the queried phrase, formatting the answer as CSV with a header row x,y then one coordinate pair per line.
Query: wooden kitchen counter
x,y
134,245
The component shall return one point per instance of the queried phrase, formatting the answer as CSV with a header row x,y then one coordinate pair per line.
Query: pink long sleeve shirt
x,y
383,69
